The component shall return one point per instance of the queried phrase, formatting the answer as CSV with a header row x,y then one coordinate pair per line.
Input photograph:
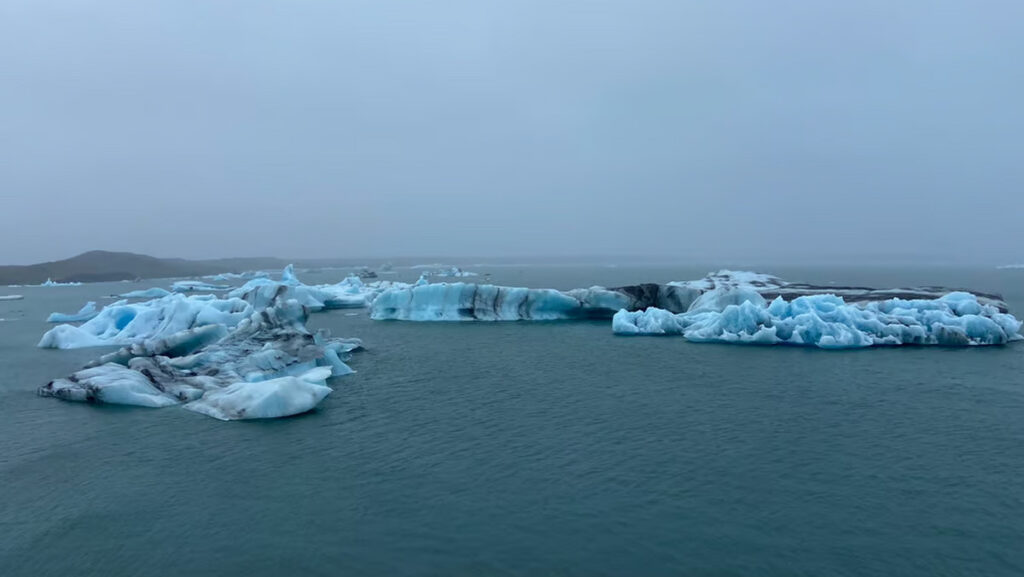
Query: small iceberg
x,y
268,366
11,297
86,313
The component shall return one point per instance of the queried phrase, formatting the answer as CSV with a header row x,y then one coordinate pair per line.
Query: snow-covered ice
x,y
87,312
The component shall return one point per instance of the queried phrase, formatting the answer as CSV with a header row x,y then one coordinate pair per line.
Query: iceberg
x,y
268,366
86,313
150,293
453,271
742,315
122,323
350,293
11,297
184,286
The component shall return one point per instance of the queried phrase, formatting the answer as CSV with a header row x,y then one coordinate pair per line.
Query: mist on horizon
x,y
684,131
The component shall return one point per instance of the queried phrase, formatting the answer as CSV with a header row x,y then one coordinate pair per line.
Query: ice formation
x,y
88,312
269,366
11,297
150,293
742,315
184,286
122,323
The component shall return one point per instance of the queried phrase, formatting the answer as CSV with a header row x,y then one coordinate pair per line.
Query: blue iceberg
x,y
87,312
742,315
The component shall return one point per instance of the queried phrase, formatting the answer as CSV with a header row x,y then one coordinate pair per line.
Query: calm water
x,y
526,449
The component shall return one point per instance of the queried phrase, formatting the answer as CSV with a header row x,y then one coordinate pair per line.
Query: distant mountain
x,y
100,266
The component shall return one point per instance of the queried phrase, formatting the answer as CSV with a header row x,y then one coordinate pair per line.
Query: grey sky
x,y
705,130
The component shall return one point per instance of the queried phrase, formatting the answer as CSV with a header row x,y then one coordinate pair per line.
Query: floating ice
x,y
86,313
184,286
121,323
225,276
349,293
150,293
269,366
453,271
11,297
742,315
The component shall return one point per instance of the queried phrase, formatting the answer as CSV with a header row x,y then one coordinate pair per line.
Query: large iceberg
x,y
87,312
742,315
729,307
269,366
122,323
467,302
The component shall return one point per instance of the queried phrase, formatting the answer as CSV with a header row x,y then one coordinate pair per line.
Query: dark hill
x,y
99,266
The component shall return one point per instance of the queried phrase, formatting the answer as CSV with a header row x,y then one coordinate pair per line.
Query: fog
x,y
745,130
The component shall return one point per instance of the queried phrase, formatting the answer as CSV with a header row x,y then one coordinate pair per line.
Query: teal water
x,y
526,449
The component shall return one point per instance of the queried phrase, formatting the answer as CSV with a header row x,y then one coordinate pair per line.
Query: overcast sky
x,y
693,130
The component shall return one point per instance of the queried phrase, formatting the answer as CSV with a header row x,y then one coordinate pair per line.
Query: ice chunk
x,y
121,323
85,313
184,286
11,297
150,293
735,315
109,383
50,282
271,399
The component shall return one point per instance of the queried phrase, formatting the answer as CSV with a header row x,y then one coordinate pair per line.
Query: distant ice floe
x,y
87,312
226,276
268,366
185,286
51,282
150,293
1010,266
729,306
452,272
11,297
